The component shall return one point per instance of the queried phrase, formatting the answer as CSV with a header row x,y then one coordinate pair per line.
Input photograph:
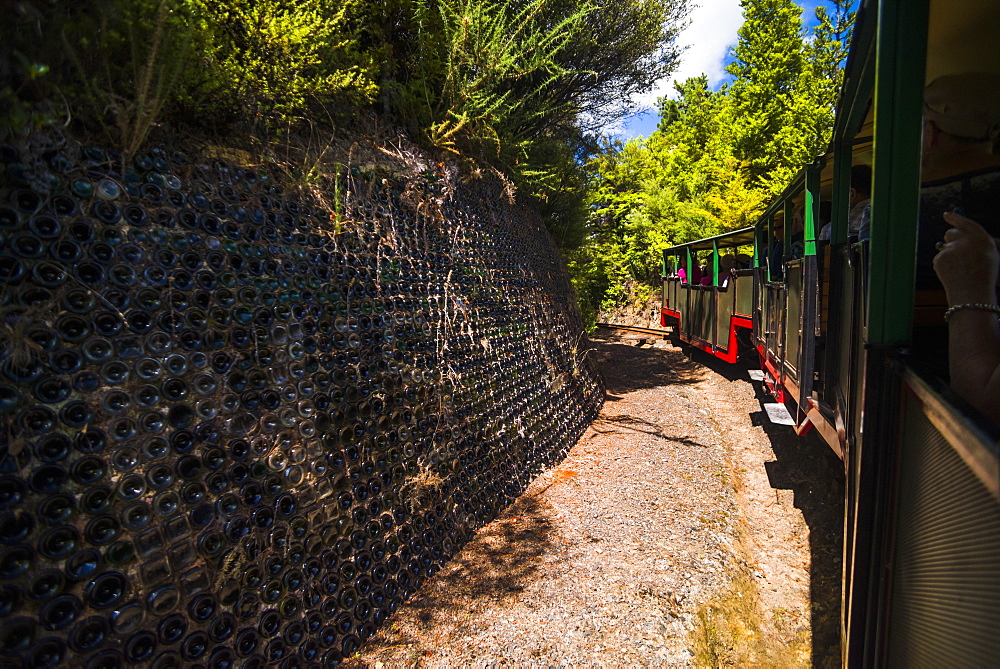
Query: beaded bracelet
x,y
979,306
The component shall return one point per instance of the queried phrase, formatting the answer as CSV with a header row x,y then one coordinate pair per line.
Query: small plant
x,y
129,59
421,490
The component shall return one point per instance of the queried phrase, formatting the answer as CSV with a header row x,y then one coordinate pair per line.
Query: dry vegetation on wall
x,y
250,409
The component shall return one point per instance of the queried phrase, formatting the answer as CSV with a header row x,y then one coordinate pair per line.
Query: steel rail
x,y
638,330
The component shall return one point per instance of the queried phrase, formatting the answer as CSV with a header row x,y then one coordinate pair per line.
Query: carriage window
x,y
959,216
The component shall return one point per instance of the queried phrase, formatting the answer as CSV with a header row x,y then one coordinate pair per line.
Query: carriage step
x,y
778,414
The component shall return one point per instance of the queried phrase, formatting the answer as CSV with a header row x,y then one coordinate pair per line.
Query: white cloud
x,y
711,31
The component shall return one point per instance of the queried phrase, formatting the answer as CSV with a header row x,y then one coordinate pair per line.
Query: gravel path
x,y
679,531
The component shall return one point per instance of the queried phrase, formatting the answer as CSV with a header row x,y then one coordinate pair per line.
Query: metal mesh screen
x,y
946,568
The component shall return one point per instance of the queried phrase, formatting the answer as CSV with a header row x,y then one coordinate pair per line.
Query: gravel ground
x,y
682,530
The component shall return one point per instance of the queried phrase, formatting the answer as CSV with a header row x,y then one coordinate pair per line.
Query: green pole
x,y
758,231
812,209
899,91
715,262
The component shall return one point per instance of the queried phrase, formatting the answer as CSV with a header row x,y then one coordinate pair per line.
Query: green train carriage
x,y
849,337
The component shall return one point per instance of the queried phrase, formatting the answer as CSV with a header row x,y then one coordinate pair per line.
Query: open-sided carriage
x,y
850,336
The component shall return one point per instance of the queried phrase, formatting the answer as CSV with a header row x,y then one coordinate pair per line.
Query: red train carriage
x,y
707,314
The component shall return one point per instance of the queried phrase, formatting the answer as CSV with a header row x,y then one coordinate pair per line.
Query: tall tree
x,y
823,73
786,85
681,183
769,59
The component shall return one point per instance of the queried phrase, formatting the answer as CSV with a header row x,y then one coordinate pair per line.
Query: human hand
x,y
968,262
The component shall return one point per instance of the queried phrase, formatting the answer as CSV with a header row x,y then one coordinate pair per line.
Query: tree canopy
x,y
784,86
717,156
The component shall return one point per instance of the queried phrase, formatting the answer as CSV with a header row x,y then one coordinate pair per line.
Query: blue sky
x,y
709,39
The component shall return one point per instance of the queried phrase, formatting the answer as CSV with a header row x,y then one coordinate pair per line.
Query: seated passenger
x,y
776,258
695,274
727,268
960,167
824,221
825,216
859,203
797,249
961,124
967,265
705,271
706,275
860,214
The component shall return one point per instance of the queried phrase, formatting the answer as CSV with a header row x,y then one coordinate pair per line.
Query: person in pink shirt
x,y
695,273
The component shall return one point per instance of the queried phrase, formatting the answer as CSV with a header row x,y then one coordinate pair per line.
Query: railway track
x,y
630,328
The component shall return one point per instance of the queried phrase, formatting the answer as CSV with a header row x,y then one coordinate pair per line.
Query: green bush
x,y
267,62
241,66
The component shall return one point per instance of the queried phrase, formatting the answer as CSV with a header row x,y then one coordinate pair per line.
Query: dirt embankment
x,y
682,530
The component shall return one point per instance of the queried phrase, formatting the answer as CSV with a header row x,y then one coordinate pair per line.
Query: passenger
x,y
960,167
727,269
824,217
861,204
797,249
967,264
825,221
961,123
706,275
695,273
743,261
776,257
705,270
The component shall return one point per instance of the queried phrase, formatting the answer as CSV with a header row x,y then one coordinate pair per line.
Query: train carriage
x,y
709,317
851,336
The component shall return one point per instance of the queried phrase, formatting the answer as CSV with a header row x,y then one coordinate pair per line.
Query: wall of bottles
x,y
239,428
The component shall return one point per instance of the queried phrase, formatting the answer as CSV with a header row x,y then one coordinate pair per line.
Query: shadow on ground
x,y
808,467
640,368
498,564
616,423
504,558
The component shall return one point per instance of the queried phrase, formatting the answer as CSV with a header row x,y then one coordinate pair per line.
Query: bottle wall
x,y
240,428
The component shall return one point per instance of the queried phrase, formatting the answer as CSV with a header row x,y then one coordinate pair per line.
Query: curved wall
x,y
240,429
